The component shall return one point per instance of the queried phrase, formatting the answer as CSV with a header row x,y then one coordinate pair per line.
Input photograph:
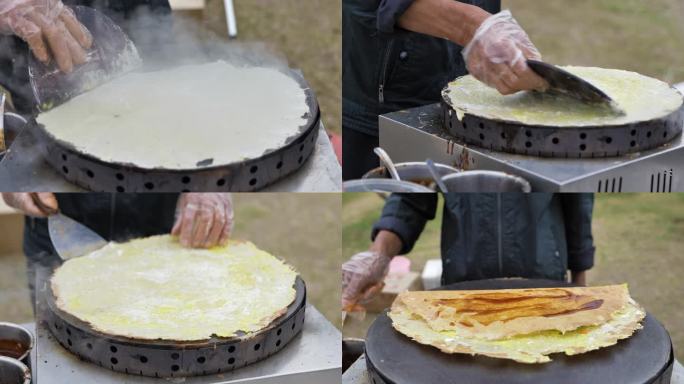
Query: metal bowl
x,y
12,371
384,185
417,173
16,333
486,182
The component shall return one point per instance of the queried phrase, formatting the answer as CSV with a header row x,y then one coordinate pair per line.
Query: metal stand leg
x,y
230,18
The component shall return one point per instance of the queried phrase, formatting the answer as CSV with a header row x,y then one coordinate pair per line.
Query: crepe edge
x,y
259,325
525,325
462,111
540,358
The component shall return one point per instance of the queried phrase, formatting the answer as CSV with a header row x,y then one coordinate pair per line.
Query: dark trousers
x,y
357,154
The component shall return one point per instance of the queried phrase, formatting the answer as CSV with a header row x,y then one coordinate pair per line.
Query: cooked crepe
x,y
524,325
154,288
177,118
641,98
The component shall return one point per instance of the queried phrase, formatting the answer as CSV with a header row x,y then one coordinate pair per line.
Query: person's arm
x,y
578,212
50,28
579,278
32,204
448,19
387,243
405,215
203,220
403,219
496,47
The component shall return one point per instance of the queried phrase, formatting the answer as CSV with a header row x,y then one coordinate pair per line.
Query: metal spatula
x,y
111,55
566,83
71,238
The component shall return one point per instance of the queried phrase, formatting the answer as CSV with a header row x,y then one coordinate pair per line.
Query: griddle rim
x,y
237,176
376,375
294,310
600,141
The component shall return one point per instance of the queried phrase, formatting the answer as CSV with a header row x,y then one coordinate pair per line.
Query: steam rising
x,y
165,40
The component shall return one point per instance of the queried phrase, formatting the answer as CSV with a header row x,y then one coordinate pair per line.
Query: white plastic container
x,y
432,274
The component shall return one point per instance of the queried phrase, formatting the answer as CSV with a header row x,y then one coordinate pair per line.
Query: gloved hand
x,y
362,278
203,220
47,23
32,204
497,56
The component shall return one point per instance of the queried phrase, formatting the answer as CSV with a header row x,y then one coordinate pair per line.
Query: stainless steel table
x,y
417,134
23,170
357,374
313,357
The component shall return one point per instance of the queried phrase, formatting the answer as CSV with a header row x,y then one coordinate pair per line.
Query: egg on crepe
x,y
642,98
525,325
156,289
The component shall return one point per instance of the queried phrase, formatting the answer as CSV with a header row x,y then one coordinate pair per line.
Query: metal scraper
x,y
566,83
71,238
111,55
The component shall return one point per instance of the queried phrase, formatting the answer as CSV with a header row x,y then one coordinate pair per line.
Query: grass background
x,y
639,240
307,32
637,35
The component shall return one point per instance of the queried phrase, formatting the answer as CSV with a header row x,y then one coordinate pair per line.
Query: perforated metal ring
x,y
562,142
93,174
175,359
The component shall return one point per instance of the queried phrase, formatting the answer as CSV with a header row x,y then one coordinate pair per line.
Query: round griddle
x,y
391,357
158,358
249,175
562,142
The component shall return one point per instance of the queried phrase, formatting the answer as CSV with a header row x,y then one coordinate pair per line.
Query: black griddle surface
x,y
646,357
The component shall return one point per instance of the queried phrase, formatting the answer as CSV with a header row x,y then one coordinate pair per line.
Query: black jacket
x,y
14,52
115,217
499,235
387,69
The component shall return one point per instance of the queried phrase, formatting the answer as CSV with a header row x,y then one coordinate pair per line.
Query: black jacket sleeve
x,y
406,215
578,211
389,13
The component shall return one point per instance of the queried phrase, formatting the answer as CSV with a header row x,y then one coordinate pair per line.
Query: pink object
x,y
400,265
336,141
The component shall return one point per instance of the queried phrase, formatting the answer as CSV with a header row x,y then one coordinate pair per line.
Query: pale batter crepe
x,y
154,288
641,98
177,118
523,325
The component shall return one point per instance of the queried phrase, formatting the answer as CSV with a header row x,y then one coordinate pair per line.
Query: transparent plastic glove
x,y
362,279
32,204
203,220
50,29
497,56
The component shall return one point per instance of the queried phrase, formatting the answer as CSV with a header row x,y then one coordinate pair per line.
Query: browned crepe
x,y
499,314
525,325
